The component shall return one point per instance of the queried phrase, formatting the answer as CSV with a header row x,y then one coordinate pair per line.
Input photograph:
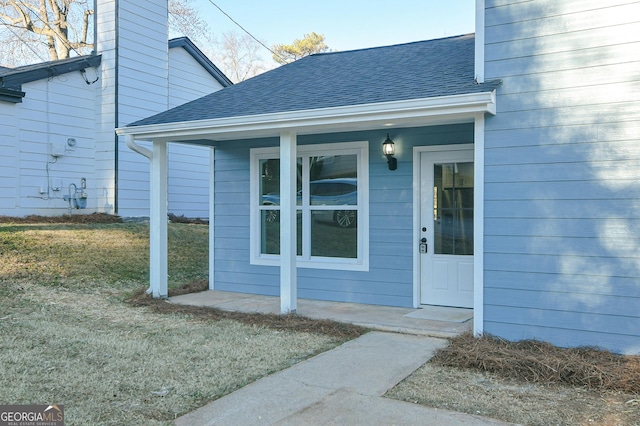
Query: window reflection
x,y
453,208
327,197
270,236
333,240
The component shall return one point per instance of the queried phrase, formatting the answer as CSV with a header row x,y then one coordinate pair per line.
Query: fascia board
x,y
398,113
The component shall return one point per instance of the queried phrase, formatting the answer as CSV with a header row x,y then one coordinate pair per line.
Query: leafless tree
x,y
39,30
238,56
185,20
51,27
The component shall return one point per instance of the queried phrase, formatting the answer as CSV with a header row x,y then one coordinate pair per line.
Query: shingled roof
x,y
12,79
426,69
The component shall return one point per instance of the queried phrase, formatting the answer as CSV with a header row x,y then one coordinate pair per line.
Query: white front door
x,y
446,227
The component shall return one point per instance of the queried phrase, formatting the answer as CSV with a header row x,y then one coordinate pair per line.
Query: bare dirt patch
x,y
528,382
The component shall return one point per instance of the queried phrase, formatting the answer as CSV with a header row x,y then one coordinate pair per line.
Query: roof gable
x,y
201,58
425,69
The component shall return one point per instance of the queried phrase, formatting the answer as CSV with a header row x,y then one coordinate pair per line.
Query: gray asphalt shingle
x,y
424,69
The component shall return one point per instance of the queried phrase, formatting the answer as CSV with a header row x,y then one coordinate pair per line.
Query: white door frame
x,y
478,219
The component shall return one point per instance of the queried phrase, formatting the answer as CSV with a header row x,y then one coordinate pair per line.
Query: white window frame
x,y
361,262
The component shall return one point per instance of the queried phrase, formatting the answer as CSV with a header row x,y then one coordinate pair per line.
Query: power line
x,y
246,31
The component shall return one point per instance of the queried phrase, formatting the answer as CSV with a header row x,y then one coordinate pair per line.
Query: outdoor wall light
x,y
388,149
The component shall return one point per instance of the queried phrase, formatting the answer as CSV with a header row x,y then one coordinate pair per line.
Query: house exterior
x,y
512,188
58,118
562,172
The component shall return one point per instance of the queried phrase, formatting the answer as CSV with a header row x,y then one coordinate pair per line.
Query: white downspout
x,y
137,148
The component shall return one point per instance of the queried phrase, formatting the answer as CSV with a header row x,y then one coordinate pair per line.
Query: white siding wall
x,y
150,82
562,243
51,112
187,79
106,106
66,107
189,164
142,91
9,158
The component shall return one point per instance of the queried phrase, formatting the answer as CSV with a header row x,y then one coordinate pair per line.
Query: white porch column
x,y
212,198
288,175
158,221
478,225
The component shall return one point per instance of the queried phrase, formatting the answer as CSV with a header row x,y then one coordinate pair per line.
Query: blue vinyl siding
x,y
562,173
389,280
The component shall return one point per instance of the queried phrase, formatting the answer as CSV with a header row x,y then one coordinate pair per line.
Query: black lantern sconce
x,y
388,149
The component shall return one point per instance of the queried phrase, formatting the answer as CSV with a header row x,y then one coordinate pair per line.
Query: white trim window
x,y
332,206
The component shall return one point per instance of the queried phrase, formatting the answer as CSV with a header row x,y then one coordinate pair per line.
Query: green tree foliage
x,y
308,45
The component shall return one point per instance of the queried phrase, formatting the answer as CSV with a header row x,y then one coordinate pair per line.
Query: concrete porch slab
x,y
443,322
442,313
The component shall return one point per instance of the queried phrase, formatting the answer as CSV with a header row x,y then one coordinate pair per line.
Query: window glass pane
x,y
328,205
270,182
270,237
334,233
453,208
333,180
463,232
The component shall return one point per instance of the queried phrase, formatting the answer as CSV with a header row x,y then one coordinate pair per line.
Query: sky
x,y
346,24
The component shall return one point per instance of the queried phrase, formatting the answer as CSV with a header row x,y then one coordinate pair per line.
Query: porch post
x,y
478,225
212,199
288,177
158,221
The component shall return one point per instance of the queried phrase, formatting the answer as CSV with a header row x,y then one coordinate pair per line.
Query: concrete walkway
x,y
343,386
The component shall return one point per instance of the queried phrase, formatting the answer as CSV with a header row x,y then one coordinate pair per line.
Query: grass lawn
x,y
68,337
77,329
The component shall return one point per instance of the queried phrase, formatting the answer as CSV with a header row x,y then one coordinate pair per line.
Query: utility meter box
x,y
56,149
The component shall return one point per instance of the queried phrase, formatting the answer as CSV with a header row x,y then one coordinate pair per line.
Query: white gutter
x,y
412,112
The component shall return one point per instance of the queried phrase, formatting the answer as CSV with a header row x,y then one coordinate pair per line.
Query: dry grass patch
x,y
67,337
112,256
528,382
113,364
